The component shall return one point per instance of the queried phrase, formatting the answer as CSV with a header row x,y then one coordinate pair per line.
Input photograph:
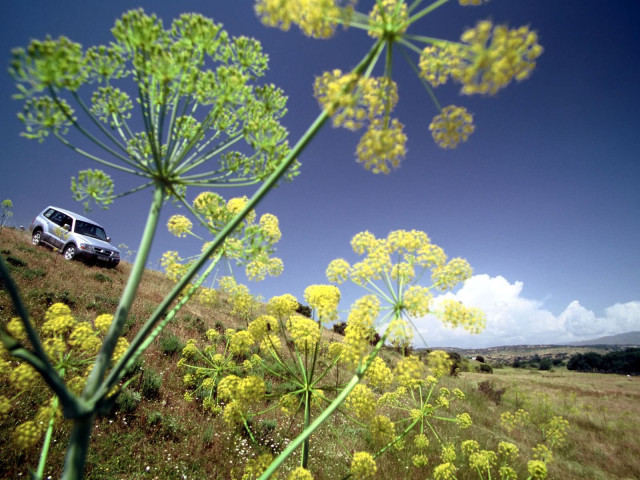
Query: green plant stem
x,y
128,296
76,456
44,453
304,460
94,391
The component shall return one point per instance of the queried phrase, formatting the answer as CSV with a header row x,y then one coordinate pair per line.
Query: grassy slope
x,y
166,437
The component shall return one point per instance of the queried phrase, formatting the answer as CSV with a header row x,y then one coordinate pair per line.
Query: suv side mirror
x,y
108,239
67,227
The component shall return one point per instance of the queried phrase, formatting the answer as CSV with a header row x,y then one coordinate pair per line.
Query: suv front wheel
x,y
36,238
70,252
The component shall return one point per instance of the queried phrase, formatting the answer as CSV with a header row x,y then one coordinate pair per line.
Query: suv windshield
x,y
90,230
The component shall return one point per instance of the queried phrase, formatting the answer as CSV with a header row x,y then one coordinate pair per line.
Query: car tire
x,y
36,238
69,252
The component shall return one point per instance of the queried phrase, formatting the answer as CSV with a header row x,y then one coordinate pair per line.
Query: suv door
x,y
59,225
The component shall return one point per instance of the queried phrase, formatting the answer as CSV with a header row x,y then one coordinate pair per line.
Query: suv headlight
x,y
86,247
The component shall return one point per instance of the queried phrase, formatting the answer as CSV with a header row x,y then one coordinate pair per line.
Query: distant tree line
x,y
624,361
537,362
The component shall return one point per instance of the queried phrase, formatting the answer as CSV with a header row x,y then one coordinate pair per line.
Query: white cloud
x,y
513,319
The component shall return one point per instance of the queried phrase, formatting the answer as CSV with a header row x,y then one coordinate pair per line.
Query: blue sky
x,y
542,200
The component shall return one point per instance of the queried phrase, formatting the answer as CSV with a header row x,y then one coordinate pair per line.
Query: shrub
x,y
545,364
339,327
150,383
170,344
485,368
128,400
487,388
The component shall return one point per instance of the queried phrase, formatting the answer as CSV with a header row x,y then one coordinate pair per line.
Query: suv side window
x,y
61,219
48,213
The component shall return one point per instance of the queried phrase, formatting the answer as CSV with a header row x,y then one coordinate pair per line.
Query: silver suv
x,y
74,235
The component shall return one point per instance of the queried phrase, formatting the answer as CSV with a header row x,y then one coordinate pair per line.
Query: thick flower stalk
x,y
486,59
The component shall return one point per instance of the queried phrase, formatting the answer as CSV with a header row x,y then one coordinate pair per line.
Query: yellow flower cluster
x,y
542,452
262,326
24,376
382,147
300,473
352,101
179,225
27,434
235,205
242,301
323,299
84,339
410,372
103,322
507,450
361,402
270,227
171,262
338,271
359,329
5,406
482,460
439,61
455,314
282,306
498,55
452,126
448,452
417,300
304,331
382,429
250,245
388,17
464,420
445,471
256,466
537,470
378,374
241,394
519,419
70,346
316,18
16,329
58,320
448,275
488,59
421,441
439,363
240,342
556,430
363,466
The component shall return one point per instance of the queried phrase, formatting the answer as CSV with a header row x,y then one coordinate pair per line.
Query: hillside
x,y
155,433
627,339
